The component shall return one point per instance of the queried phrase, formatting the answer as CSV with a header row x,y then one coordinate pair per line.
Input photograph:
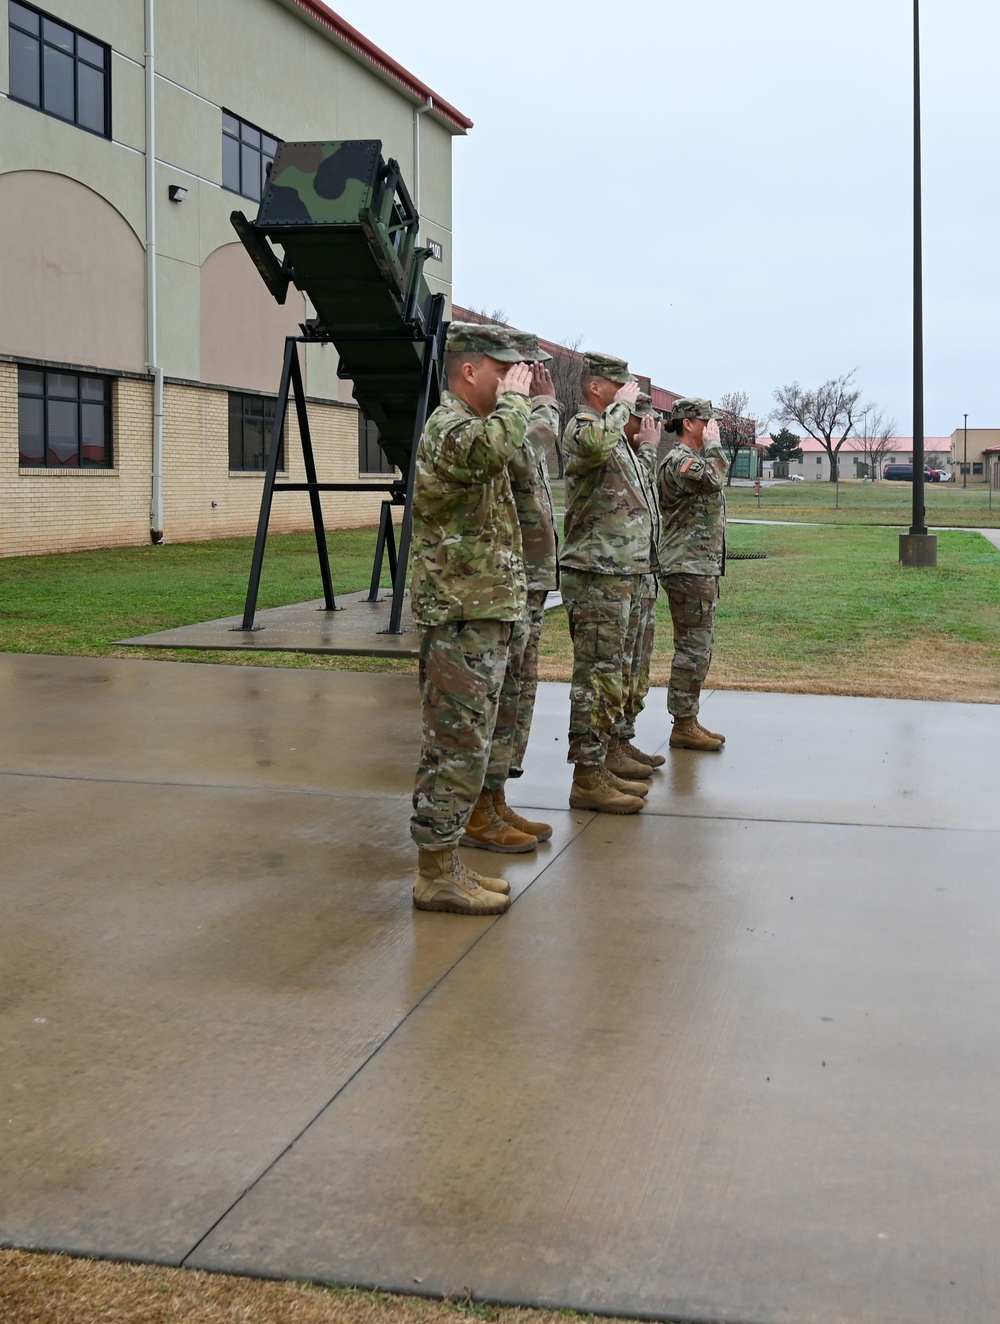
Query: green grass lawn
x,y
867,503
831,611
828,611
82,602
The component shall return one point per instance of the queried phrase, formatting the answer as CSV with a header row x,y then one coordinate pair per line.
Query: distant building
x,y
980,451
124,283
854,463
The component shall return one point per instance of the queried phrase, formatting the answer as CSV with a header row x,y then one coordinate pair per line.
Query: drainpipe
x,y
417,112
152,352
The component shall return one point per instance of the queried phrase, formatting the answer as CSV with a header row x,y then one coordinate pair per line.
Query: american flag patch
x,y
687,465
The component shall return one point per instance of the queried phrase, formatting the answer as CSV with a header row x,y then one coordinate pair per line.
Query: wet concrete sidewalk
x,y
735,1058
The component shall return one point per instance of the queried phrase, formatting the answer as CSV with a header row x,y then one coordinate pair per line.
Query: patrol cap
x,y
643,406
482,338
692,406
604,365
527,344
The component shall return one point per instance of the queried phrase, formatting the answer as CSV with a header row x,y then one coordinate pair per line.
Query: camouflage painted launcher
x,y
348,229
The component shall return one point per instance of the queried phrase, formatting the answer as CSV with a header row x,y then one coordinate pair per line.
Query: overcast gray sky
x,y
720,191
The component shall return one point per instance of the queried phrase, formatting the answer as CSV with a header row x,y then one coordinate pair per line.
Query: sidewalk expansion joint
x,y
182,1262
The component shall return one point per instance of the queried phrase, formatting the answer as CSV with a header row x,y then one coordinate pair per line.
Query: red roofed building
x,y
854,463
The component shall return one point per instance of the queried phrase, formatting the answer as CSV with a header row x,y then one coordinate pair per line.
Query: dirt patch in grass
x,y
55,1289
936,668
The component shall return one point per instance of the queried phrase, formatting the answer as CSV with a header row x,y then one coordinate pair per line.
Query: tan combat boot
x,y
486,830
687,734
500,885
712,735
650,760
626,787
622,764
592,789
443,883
540,831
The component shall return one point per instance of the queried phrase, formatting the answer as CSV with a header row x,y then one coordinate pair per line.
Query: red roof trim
x,y
384,63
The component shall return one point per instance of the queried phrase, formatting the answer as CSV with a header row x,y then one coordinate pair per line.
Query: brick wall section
x,y
196,471
67,510
44,511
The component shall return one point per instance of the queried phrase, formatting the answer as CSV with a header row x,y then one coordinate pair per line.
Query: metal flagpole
x,y
917,547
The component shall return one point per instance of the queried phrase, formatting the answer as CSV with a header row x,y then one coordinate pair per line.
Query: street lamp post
x,y
965,453
917,547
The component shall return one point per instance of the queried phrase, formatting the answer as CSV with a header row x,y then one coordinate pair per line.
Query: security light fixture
x,y
177,192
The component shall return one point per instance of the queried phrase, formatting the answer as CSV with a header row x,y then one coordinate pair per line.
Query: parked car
x,y
903,473
797,478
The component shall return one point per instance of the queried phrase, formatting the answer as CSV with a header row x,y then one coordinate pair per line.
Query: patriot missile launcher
x,y
347,231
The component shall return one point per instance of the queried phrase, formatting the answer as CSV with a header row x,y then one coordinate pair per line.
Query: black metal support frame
x,y
400,494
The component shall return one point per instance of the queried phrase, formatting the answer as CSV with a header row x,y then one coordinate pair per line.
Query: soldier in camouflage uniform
x,y
493,824
467,591
691,489
642,432
607,533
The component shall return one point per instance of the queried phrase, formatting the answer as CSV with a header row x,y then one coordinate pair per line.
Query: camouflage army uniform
x,y
529,478
691,489
606,549
468,591
641,635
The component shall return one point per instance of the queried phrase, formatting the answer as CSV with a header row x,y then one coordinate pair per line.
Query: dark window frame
x,y
250,143
367,446
16,25
50,395
254,408
977,467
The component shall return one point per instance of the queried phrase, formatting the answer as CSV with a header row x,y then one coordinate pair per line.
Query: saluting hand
x,y
541,380
627,393
517,378
649,429
712,430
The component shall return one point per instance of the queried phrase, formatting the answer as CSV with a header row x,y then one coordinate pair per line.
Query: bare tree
x,y
498,316
823,413
877,435
565,368
738,429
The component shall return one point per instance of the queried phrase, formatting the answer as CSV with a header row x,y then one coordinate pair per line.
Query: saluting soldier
x,y
691,490
606,548
642,432
468,592
493,825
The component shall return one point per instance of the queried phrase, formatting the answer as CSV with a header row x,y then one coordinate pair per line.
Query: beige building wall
x,y
982,468
208,501
74,275
73,264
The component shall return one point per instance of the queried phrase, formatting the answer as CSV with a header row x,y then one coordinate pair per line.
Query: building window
x,y
63,420
59,70
819,459
251,423
977,468
246,154
372,459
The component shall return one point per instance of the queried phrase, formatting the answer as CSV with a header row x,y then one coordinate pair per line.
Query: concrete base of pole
x,y
918,549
